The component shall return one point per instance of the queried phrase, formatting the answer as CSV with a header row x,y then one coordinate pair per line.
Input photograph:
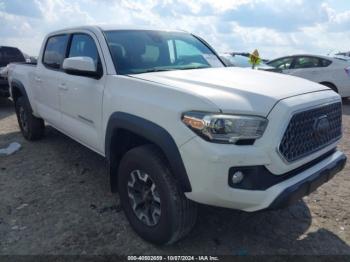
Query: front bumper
x,y
208,165
209,177
306,186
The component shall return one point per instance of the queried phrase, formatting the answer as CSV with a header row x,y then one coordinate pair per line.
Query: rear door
x,y
46,79
309,67
81,96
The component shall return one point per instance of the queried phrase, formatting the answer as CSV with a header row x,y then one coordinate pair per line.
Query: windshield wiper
x,y
194,67
155,69
150,70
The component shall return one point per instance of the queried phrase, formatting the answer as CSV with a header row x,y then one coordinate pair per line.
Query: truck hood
x,y
235,90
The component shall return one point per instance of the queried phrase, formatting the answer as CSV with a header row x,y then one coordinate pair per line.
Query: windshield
x,y
10,55
141,51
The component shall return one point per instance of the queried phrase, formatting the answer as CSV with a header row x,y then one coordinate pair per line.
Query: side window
x,y
307,62
171,51
55,51
188,53
184,49
151,54
84,45
325,62
283,63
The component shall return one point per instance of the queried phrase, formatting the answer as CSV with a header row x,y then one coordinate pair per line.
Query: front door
x,y
81,96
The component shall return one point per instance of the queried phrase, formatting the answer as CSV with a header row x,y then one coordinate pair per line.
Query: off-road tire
x,y
178,214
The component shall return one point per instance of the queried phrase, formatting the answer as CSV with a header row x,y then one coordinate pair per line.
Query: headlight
x,y
222,128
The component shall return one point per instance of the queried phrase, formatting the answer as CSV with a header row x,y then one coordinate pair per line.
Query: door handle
x,y
63,87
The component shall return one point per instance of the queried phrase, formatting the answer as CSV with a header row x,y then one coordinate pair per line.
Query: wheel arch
x,y
330,85
17,90
125,131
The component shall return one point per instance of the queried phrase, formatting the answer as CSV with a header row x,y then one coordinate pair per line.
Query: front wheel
x,y
154,204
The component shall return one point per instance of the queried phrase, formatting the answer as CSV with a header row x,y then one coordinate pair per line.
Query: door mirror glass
x,y
80,65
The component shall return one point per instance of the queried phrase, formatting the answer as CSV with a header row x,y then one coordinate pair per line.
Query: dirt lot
x,y
55,199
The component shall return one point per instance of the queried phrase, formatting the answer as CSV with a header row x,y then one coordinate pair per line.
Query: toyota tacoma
x,y
176,126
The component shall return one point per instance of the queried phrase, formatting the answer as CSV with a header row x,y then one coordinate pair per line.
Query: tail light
x,y
347,70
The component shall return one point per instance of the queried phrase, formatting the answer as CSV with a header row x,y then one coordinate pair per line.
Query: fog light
x,y
237,177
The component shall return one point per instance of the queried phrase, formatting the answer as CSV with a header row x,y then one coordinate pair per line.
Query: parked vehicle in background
x,y
343,54
342,57
247,55
240,60
8,55
30,59
33,59
333,72
3,74
176,126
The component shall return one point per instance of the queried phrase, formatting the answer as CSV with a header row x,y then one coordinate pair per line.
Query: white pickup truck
x,y
176,126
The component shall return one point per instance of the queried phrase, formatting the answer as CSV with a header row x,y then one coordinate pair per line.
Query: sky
x,y
274,27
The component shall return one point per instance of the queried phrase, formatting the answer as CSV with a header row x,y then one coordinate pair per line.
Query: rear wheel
x,y
32,128
154,204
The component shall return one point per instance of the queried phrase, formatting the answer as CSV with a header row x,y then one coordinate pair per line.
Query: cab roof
x,y
112,28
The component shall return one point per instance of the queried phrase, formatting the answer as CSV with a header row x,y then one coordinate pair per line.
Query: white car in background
x,y
242,60
333,72
343,54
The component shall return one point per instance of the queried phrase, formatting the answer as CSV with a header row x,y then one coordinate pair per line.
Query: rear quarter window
x,y
325,62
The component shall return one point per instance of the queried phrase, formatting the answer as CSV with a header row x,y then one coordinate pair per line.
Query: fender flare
x,y
20,86
152,132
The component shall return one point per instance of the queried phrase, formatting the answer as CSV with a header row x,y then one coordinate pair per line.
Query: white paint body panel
x,y
213,189
236,90
81,107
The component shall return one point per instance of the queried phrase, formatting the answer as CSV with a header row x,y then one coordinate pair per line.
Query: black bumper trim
x,y
260,178
295,192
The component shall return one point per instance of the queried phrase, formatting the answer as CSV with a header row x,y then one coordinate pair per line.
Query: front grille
x,y
311,130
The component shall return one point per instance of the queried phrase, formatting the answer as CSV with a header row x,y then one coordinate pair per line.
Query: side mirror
x,y
80,65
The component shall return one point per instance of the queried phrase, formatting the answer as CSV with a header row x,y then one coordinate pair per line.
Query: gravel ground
x,y
55,199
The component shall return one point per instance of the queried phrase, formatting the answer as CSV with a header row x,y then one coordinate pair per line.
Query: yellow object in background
x,y
254,58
